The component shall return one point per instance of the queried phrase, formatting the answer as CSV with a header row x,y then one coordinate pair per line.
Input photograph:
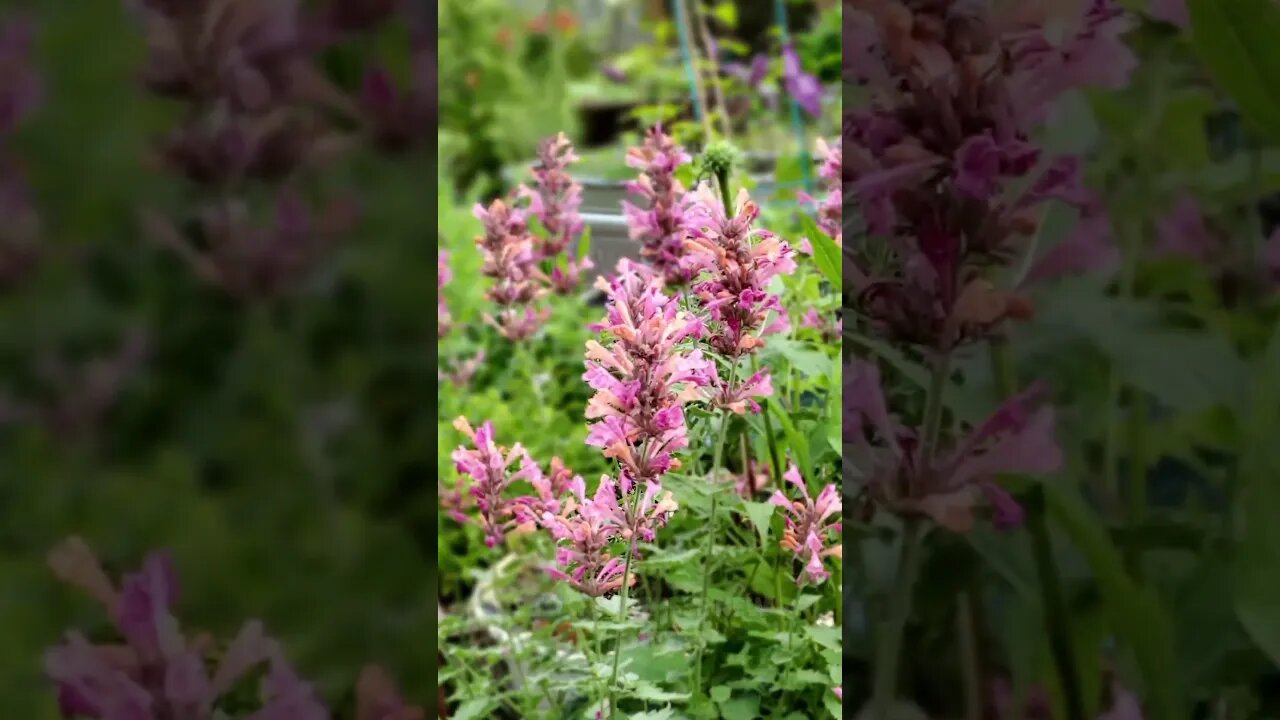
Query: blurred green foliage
x,y
280,451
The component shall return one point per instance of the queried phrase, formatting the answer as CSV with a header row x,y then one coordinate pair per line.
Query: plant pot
x,y
604,121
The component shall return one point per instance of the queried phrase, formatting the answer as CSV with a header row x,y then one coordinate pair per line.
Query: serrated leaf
x,y
1136,614
1236,40
826,254
743,707
828,637
1257,592
474,708
760,515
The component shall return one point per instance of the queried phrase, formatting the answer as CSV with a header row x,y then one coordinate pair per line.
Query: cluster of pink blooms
x,y
524,264
493,470
813,525
642,380
1186,233
555,197
444,321
160,673
462,370
830,214
934,173
1017,438
953,185
830,331
509,259
737,263
661,226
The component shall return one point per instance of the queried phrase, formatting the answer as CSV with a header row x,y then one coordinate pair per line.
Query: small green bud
x,y
718,159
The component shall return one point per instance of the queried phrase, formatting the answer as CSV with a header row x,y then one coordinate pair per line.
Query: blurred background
x,y
213,324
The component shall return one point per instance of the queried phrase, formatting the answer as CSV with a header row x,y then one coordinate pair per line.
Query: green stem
x,y
1057,619
722,181
622,605
775,457
890,646
885,688
710,543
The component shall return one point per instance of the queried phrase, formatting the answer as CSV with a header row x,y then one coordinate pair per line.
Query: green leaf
x,y
743,707
797,442
474,708
1236,40
1258,555
720,693
826,254
1135,613
827,637
727,13
760,515
653,693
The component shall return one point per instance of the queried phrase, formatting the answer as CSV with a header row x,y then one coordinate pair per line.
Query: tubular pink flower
x,y
565,280
489,467
830,213
509,259
642,379
737,264
463,371
829,331
660,226
812,525
444,321
556,196
1018,438
939,177
160,673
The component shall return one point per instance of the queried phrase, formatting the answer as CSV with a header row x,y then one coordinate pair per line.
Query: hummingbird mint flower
x,y
489,466
939,178
555,197
813,525
509,259
1018,438
737,263
830,207
643,378
159,672
660,226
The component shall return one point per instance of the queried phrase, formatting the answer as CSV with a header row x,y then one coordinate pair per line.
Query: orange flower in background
x,y
473,78
504,37
563,21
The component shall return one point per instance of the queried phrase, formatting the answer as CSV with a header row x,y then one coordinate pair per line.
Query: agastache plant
x,y
643,378
737,263
510,261
159,672
554,199
660,225
812,525
252,118
951,187
830,206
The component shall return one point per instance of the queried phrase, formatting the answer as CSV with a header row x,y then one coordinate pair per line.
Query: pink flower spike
x,y
813,526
